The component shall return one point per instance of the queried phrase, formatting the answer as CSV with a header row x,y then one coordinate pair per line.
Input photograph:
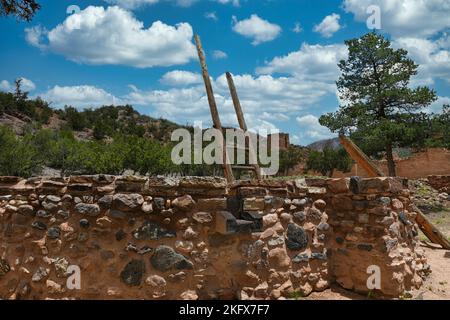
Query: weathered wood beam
x,y
241,120
228,172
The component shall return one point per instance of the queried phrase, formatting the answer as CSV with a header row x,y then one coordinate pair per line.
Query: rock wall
x,y
199,238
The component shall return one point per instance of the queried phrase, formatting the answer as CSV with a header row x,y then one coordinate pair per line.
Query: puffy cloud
x,y
329,25
314,62
27,85
211,16
416,18
311,130
255,28
114,36
433,58
218,54
279,99
84,96
180,78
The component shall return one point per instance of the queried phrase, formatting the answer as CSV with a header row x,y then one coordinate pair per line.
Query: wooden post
x,y
241,119
236,102
360,157
228,172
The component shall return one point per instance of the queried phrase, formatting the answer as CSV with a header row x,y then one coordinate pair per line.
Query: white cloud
x,y
258,29
329,25
235,3
433,58
27,85
312,130
218,54
314,62
436,107
297,28
84,96
133,4
416,18
278,99
211,16
114,36
181,78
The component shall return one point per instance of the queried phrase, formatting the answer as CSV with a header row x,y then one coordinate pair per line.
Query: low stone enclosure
x,y
199,238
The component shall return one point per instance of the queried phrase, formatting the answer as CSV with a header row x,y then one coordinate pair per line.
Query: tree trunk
x,y
390,160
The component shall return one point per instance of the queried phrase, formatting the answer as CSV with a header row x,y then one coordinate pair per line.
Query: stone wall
x,y
199,238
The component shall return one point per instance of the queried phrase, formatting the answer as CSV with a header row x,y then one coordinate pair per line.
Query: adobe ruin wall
x,y
199,238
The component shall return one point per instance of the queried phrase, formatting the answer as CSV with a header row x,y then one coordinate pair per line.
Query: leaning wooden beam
x,y
431,231
241,119
360,157
363,160
228,172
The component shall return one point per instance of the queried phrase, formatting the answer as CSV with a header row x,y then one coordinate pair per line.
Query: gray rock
x,y
40,274
300,216
49,206
160,203
84,223
319,256
52,198
296,237
43,214
133,272
105,202
299,202
88,209
53,232
152,231
25,209
323,226
65,214
301,257
128,202
165,258
39,225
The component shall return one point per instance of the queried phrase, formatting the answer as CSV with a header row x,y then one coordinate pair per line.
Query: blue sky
x,y
283,54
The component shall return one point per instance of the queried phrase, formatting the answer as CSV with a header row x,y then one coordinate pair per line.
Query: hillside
x,y
25,115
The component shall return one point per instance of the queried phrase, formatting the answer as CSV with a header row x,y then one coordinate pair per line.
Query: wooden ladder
x,y
369,166
227,167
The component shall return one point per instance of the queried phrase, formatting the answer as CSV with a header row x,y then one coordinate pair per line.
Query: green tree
x,y
290,158
378,100
21,9
18,157
329,160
